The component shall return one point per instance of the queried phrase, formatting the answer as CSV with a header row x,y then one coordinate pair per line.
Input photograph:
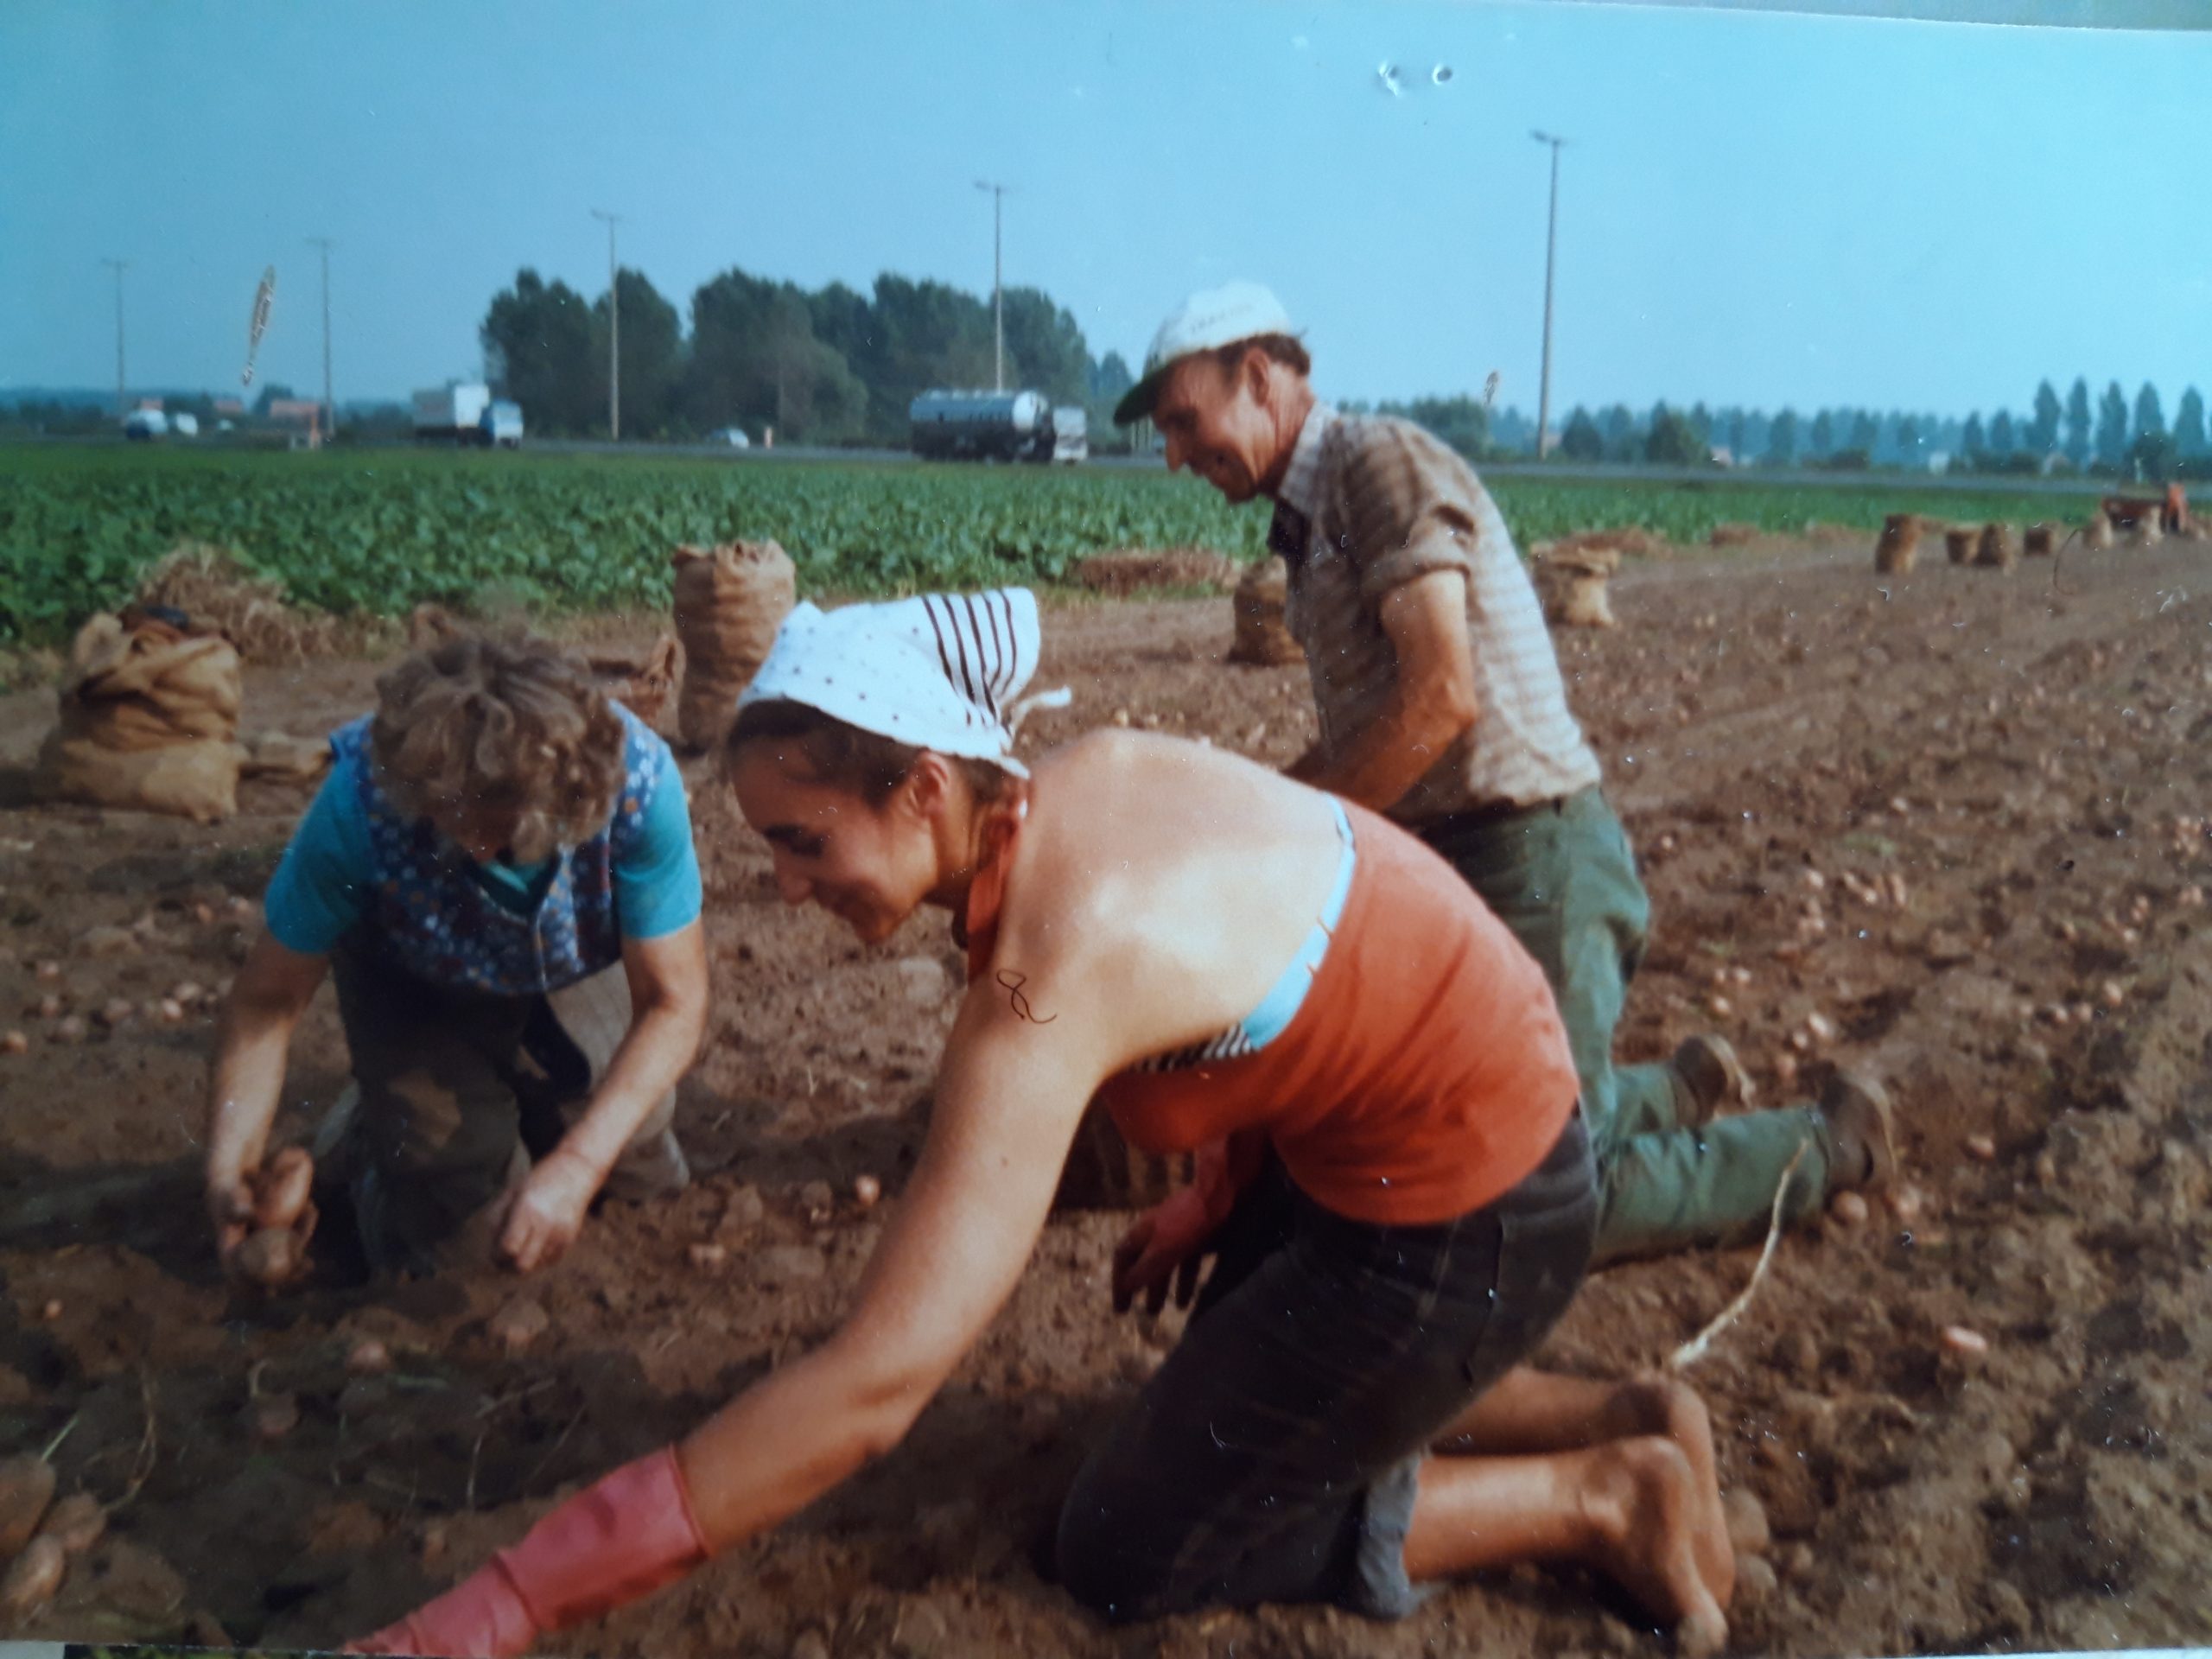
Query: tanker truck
x,y
981,426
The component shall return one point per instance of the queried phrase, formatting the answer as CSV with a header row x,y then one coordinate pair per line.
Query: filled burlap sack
x,y
1899,549
641,685
1997,549
1263,636
150,720
1573,584
283,758
729,602
1959,542
2039,542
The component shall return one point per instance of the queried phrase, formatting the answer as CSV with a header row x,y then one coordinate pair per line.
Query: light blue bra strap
x,y
1282,1003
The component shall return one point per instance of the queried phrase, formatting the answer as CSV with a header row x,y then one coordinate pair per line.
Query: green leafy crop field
x,y
379,530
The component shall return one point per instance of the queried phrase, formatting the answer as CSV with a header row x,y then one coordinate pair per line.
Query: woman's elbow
x,y
889,1412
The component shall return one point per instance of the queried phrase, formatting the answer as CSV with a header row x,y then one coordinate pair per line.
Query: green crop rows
x,y
381,530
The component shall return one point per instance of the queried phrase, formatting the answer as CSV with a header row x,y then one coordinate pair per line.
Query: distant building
x,y
1939,460
150,403
229,406
303,411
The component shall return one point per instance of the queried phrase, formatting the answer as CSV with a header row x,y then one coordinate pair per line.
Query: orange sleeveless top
x,y
1426,1072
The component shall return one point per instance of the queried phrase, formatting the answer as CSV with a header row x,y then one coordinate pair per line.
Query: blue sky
x,y
1756,208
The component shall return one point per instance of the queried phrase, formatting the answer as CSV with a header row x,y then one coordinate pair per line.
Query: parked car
x,y
145,424
732,436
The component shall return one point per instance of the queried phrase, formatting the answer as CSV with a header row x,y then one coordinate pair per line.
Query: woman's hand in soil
x,y
1166,1243
547,1211
230,1211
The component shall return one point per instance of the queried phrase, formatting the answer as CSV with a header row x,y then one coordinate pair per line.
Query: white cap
x,y
1209,319
942,671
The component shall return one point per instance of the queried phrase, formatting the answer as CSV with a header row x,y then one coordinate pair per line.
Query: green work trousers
x,y
1561,875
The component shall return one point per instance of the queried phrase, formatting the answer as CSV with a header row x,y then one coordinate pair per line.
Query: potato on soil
x,y
78,1521
272,1256
33,1579
273,1416
1747,1520
26,1490
368,1358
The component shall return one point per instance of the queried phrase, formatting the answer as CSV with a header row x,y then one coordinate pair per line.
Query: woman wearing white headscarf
x,y
1397,1182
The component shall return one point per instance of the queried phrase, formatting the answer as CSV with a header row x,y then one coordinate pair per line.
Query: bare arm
x,y
668,1011
272,991
1009,1097
1425,622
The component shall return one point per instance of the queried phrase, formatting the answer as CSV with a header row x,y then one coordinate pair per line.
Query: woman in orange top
x,y
1396,1176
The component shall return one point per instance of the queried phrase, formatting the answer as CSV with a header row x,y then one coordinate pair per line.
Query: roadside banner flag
x,y
263,297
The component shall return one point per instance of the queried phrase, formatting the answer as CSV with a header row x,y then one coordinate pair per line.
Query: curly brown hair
x,y
498,723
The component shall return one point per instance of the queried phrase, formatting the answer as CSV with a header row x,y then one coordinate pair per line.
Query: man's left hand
x,y
547,1211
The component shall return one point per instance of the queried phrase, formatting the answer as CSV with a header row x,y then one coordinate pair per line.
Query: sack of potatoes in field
x,y
1996,550
149,720
2039,542
1572,584
641,685
1262,634
1898,547
1959,541
729,602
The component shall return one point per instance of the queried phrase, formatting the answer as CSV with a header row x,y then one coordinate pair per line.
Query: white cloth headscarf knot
x,y
941,671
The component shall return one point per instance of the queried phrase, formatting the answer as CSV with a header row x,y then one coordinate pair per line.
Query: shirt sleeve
x,y
656,886
322,886
1412,509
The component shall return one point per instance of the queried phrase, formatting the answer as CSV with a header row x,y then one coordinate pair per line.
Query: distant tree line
x,y
2120,439
829,367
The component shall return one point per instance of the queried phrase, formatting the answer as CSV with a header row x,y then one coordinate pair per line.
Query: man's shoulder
x,y
1375,444
1382,462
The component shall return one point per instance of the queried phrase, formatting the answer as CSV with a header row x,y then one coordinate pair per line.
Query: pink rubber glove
x,y
611,1544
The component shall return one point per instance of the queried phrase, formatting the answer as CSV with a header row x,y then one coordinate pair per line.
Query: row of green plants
x,y
377,532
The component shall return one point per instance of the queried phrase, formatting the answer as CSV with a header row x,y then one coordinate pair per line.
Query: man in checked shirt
x,y
1441,706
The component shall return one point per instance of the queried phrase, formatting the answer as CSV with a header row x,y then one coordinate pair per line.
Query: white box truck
x,y
465,412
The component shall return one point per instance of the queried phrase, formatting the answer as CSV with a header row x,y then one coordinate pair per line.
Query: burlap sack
x,y
729,602
1572,584
2040,542
1996,550
641,685
1898,549
284,759
1959,542
1263,636
149,719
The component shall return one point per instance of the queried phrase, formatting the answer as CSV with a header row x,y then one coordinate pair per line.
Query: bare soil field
x,y
2001,783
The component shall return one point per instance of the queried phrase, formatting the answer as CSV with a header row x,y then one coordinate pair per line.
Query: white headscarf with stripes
x,y
941,671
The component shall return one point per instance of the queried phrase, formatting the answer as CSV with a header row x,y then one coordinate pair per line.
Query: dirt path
x,y
2017,757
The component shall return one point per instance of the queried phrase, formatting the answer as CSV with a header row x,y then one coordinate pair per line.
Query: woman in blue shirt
x,y
498,874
